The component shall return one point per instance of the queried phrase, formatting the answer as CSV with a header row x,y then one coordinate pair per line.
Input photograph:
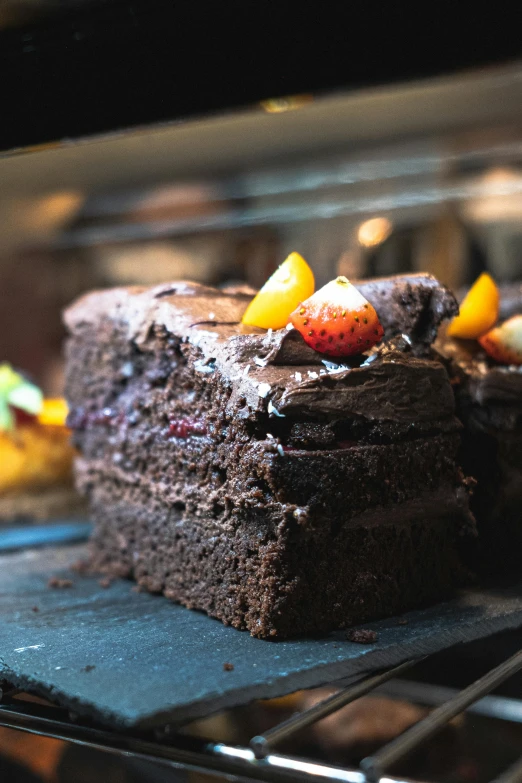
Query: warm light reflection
x,y
148,263
289,103
500,174
373,232
52,211
498,197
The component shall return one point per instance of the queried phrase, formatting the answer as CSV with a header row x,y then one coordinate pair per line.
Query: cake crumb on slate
x,y
56,581
362,636
105,582
228,667
402,621
89,667
35,609
80,566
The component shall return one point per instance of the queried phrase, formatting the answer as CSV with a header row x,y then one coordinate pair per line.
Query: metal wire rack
x,y
259,761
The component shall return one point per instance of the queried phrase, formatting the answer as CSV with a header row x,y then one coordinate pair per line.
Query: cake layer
x,y
271,574
246,475
321,487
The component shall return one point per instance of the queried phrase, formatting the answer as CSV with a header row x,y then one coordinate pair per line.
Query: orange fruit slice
x,y
291,283
478,310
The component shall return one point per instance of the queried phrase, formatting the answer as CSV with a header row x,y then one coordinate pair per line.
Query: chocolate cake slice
x,y
489,404
245,475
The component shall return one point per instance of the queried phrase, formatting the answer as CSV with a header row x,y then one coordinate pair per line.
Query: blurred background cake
x,y
482,350
36,455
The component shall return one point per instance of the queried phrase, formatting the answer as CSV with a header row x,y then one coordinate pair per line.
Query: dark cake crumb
x,y
362,636
80,566
59,583
35,609
228,667
89,667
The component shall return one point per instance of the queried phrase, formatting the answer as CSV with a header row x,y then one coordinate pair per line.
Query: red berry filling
x,y
183,428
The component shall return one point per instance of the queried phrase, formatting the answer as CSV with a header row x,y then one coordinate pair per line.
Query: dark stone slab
x,y
128,658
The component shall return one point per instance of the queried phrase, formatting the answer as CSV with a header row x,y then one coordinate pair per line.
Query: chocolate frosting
x,y
276,371
415,305
484,380
395,387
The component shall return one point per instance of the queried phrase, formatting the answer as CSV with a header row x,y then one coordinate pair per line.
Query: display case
x,y
147,142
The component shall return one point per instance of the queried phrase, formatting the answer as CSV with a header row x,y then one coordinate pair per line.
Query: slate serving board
x,y
155,662
13,537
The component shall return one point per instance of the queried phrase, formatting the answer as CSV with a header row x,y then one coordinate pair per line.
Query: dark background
x,y
70,69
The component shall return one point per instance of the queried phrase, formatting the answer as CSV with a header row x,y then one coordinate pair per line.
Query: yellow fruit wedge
x,y
291,283
53,413
478,310
34,456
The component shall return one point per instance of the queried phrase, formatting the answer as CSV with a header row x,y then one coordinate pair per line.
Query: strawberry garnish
x,y
504,343
337,320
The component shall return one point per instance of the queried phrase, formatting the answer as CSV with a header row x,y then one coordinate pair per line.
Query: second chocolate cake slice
x,y
245,475
489,403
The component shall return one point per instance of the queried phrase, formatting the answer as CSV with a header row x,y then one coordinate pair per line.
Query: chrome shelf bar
x,y
261,745
499,707
374,766
184,752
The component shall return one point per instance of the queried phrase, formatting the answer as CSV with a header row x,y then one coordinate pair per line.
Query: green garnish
x,y
16,391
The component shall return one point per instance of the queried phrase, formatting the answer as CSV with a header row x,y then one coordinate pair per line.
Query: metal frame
x,y
259,761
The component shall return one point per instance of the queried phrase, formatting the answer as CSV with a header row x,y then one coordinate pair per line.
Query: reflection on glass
x,y
374,231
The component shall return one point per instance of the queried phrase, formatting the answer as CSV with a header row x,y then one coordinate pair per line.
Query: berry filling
x,y
184,428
